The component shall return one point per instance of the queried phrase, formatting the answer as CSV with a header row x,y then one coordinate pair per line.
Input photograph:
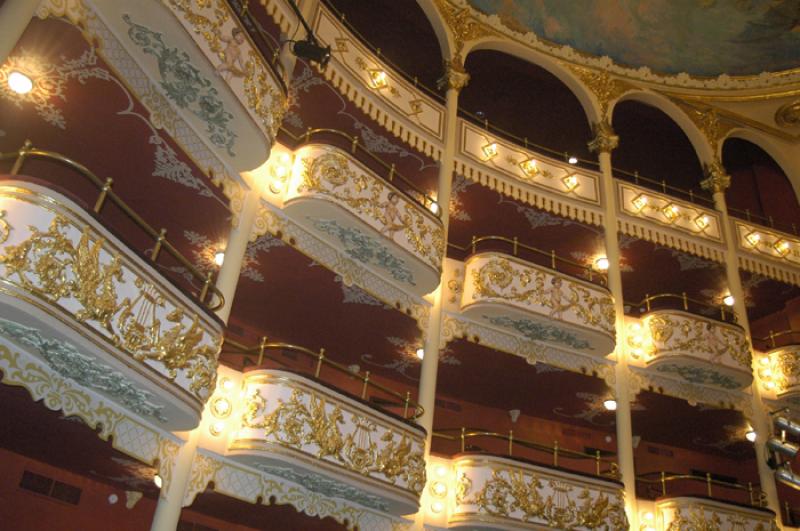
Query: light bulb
x,y
610,404
421,353
441,471
19,82
434,207
157,480
439,489
573,159
437,507
219,258
751,435
601,264
227,384
728,300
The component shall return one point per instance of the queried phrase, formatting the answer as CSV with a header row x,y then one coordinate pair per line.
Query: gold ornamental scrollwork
x,y
51,266
788,115
605,87
699,336
558,504
605,139
308,419
497,278
331,174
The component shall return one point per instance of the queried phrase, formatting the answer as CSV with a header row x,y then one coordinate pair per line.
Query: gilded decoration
x,y
785,368
463,27
455,75
716,343
353,441
52,266
605,87
717,180
332,175
211,20
788,115
531,497
605,140
695,517
497,278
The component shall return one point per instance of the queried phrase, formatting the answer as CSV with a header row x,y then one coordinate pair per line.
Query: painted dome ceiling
x,y
700,37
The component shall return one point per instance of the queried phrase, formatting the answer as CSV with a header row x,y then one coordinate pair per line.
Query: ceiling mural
x,y
700,37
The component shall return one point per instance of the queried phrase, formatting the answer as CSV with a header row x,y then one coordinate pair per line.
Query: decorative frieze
x,y
290,421
376,224
540,304
696,514
69,276
499,493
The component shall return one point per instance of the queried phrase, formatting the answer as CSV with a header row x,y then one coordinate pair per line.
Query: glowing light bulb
x,y
434,207
728,300
219,258
421,353
751,435
573,159
437,507
601,264
529,167
158,481
19,82
217,428
610,404
490,150
439,489
441,471
227,384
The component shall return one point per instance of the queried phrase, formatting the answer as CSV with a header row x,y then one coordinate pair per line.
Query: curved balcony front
x,y
688,512
382,228
696,349
500,493
72,294
539,303
781,373
296,427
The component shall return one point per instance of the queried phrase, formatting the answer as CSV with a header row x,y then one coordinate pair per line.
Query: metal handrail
x,y
770,339
418,196
551,255
322,359
462,434
726,315
762,220
106,193
251,23
757,497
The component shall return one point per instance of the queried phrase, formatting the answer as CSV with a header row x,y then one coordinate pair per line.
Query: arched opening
x,y
410,45
654,146
527,101
759,187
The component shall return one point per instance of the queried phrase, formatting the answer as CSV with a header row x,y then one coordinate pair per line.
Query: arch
x,y
588,101
446,43
781,153
702,147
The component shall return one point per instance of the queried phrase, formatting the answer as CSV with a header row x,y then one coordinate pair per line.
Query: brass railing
x,y
757,497
552,260
321,360
257,32
763,220
603,467
27,151
413,192
685,303
782,338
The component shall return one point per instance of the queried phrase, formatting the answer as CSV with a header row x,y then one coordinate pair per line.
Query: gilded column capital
x,y
716,181
605,140
455,75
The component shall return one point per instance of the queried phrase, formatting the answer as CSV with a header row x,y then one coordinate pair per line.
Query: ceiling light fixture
x,y
751,435
572,159
601,264
421,353
610,404
728,300
219,258
19,82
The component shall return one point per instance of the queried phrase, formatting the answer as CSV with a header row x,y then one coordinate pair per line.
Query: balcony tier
x,y
74,295
295,427
342,202
784,365
696,349
538,303
500,493
704,513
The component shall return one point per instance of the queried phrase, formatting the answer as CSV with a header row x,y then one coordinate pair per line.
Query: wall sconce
x,y
639,202
378,79
570,182
702,221
781,247
530,168
753,238
490,150
671,212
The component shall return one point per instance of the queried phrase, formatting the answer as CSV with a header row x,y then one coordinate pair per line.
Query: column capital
x,y
716,181
605,140
455,75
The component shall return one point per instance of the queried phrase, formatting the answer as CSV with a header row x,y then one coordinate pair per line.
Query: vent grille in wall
x,y
50,487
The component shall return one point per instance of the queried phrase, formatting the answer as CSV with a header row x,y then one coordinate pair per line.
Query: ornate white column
x,y
717,181
455,78
604,142
235,249
15,15
170,501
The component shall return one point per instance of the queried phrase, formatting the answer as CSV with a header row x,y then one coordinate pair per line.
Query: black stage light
x,y
310,50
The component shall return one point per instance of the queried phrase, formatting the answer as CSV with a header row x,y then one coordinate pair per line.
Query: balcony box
x,y
785,372
704,513
299,429
342,202
697,350
539,303
74,295
500,493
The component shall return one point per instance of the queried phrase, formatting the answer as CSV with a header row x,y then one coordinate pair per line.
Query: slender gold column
x,y
604,142
170,501
15,15
717,181
235,249
455,78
